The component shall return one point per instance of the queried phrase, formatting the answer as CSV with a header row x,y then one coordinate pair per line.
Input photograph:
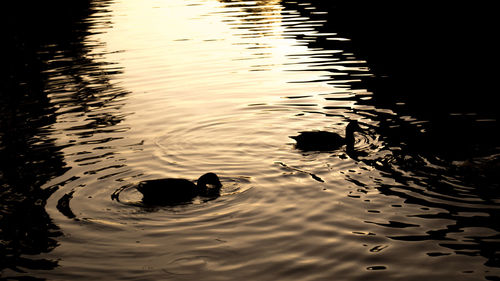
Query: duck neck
x,y
204,191
202,187
349,137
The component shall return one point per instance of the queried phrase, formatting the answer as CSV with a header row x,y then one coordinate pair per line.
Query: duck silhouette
x,y
327,141
172,191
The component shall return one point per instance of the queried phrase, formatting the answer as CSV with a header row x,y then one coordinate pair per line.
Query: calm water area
x,y
106,94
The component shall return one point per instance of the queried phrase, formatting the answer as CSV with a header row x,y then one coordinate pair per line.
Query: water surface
x,y
138,90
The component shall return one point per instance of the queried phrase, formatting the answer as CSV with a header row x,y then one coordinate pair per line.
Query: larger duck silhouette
x,y
327,141
172,191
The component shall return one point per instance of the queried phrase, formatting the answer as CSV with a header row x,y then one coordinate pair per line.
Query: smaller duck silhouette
x,y
172,191
327,141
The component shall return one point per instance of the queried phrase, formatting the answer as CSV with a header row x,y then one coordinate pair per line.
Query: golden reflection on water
x,y
186,63
221,43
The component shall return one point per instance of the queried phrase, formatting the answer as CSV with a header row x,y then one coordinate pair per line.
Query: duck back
x,y
318,140
167,191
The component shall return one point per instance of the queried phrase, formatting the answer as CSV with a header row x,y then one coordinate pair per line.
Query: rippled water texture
x,y
125,91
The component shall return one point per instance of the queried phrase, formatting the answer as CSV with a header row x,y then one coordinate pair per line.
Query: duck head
x,y
209,184
353,126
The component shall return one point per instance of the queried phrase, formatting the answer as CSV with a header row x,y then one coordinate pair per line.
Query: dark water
x,y
98,95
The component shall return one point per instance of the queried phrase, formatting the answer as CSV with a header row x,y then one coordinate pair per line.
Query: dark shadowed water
x,y
98,96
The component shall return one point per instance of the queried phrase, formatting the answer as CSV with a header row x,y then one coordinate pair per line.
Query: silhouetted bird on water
x,y
326,141
176,191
